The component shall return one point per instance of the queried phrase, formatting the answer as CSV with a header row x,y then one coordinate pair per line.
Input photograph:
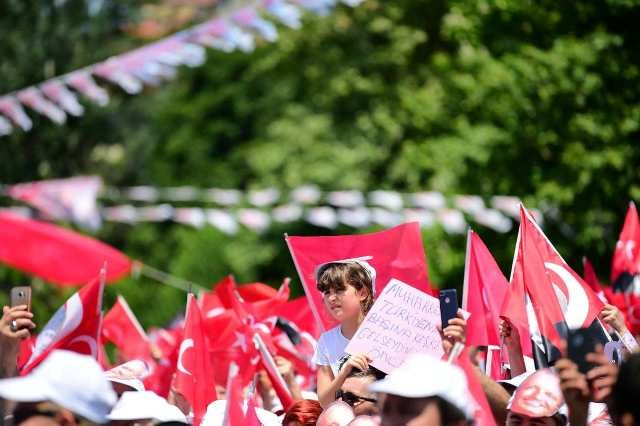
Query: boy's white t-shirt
x,y
330,349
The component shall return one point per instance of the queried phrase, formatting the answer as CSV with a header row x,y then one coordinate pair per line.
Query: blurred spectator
x,y
537,401
425,390
338,413
623,401
128,376
69,387
144,407
355,390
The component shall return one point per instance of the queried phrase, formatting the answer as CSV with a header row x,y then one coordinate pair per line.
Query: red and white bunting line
x,y
155,63
230,220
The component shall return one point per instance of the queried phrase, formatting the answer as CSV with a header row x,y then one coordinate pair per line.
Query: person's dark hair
x,y
369,372
303,413
449,413
337,275
624,395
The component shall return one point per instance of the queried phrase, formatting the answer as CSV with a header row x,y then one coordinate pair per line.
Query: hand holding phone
x,y
18,319
448,305
21,296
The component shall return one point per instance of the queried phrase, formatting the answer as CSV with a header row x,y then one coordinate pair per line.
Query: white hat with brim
x,y
362,261
423,376
134,384
137,405
71,380
216,410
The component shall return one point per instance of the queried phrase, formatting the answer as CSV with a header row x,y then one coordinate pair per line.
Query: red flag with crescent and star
x,y
75,326
194,372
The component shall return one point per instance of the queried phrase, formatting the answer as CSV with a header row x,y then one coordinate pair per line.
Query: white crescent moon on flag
x,y
90,341
184,346
578,302
66,319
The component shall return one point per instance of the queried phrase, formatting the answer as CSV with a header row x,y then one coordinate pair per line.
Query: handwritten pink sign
x,y
402,321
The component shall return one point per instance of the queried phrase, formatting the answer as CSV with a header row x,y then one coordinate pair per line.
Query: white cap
x,y
362,261
130,374
215,415
145,405
422,376
75,382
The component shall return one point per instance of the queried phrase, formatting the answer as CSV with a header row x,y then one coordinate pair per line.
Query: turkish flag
x,y
121,327
166,344
483,416
483,293
194,373
235,415
44,250
592,280
626,258
264,299
75,326
396,253
259,299
299,312
558,296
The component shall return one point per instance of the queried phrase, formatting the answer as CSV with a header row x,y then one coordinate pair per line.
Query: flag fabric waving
x,y
626,258
75,326
121,327
194,373
546,296
396,253
44,250
483,293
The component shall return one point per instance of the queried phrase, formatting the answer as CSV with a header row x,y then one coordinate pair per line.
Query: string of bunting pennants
x,y
155,63
76,199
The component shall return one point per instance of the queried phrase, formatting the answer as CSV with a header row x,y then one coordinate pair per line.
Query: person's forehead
x,y
38,420
358,383
404,403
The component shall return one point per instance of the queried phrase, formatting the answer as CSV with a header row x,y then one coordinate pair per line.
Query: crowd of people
x,y
68,388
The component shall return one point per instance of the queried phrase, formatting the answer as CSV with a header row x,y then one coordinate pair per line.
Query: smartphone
x,y
580,342
21,296
448,305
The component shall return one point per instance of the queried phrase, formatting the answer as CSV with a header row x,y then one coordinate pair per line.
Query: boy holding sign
x,y
347,292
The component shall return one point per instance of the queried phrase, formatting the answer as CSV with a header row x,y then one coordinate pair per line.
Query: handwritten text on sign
x,y
402,321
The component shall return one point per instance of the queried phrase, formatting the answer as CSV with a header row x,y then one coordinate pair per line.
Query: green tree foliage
x,y
535,99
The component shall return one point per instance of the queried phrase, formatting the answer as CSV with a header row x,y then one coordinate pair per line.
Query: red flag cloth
x,y
265,300
26,349
121,327
299,312
75,326
251,418
194,373
592,280
162,367
627,253
235,414
557,293
580,305
483,415
484,289
55,254
103,359
396,253
260,300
